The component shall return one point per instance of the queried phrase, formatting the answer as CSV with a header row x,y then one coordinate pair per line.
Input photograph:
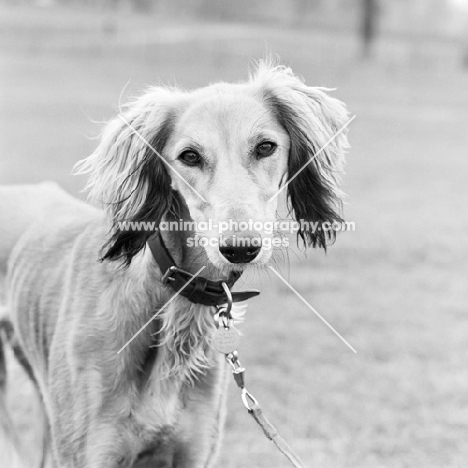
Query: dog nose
x,y
241,247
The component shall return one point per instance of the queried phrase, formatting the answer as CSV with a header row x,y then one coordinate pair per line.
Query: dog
x,y
79,286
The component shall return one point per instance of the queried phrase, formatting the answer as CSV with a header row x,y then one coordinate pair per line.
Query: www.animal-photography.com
x,y
233,234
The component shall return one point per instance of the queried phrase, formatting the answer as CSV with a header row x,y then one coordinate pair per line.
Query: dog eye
x,y
265,149
190,158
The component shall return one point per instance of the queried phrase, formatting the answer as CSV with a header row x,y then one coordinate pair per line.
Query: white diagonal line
x,y
148,144
311,308
311,159
161,309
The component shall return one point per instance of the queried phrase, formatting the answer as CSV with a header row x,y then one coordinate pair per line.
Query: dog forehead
x,y
225,109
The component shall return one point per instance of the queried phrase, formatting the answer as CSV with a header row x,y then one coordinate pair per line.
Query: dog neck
x,y
193,258
179,348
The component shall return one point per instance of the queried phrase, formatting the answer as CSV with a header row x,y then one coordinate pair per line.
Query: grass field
x,y
396,288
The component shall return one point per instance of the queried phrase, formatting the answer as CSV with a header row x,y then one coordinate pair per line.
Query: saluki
x,y
81,281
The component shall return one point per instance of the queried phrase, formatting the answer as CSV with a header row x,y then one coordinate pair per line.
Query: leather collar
x,y
200,290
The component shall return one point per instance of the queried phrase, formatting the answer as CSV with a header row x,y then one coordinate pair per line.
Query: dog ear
x,y
311,118
127,175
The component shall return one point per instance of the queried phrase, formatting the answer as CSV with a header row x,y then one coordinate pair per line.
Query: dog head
x,y
225,153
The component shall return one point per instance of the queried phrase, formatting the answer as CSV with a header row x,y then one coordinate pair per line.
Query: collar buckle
x,y
169,276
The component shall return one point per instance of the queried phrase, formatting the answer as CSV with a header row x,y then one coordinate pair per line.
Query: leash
x,y
226,341
255,410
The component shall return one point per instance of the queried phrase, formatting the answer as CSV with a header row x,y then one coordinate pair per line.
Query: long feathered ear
x,y
126,175
311,118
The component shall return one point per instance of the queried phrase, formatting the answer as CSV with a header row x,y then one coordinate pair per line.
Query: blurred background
x,y
396,288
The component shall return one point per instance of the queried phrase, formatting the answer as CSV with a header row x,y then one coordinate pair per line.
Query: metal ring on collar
x,y
229,299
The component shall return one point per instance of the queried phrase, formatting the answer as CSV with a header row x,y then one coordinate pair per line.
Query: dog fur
x,y
78,287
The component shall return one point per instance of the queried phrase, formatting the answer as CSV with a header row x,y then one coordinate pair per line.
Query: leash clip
x,y
238,373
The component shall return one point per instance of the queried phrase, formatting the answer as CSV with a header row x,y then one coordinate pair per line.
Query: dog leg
x,y
10,451
202,420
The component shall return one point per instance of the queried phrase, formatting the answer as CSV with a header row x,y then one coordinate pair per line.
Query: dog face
x,y
224,152
232,154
